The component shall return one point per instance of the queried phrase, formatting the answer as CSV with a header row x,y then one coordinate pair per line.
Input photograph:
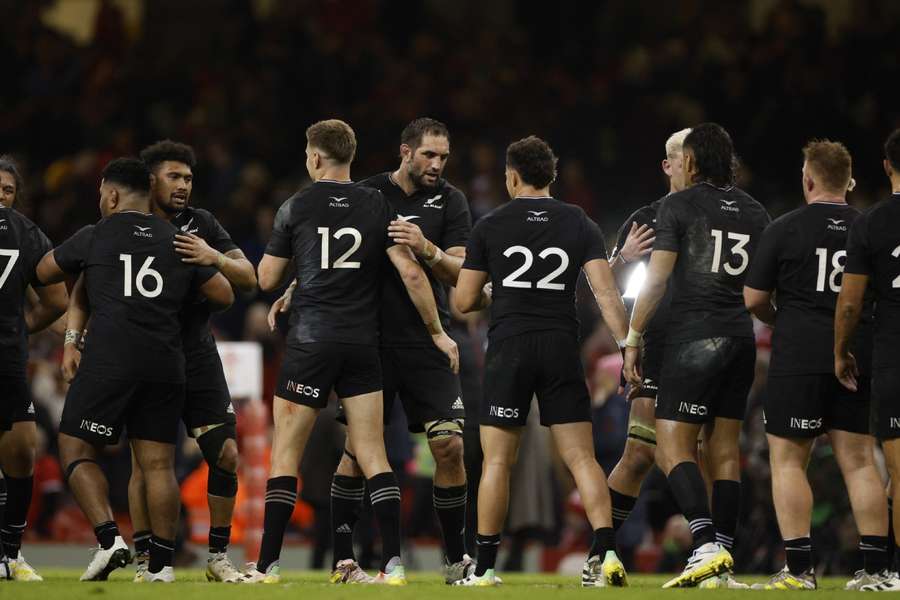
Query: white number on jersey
x,y
837,267
13,257
741,239
143,273
545,283
342,262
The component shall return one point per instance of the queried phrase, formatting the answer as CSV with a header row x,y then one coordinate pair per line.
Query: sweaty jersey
x,y
533,249
873,249
655,332
22,245
137,287
715,232
442,213
801,256
336,232
196,335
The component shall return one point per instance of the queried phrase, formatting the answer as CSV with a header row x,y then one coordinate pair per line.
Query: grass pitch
x,y
192,585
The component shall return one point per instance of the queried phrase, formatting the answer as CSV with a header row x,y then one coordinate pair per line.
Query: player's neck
x,y
404,181
339,173
529,191
895,185
159,212
826,198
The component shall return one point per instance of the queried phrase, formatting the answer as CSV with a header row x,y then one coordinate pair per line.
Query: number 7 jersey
x,y
715,232
533,249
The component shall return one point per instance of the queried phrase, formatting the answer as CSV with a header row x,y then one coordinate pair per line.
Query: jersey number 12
x,y
341,262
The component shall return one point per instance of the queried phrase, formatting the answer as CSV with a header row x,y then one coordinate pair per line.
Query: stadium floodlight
x,y
636,281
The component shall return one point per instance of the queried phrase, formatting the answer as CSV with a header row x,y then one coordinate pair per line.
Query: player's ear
x,y
405,152
667,167
887,167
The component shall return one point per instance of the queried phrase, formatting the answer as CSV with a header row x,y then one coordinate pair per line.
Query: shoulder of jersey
x,y
11,215
378,182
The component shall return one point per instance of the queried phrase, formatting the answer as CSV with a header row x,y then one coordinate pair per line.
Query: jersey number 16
x,y
143,273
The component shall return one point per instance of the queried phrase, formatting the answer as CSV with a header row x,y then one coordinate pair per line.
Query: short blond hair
x,y
830,163
333,137
675,142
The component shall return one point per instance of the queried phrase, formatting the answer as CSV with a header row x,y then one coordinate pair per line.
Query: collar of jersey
x,y
134,212
829,202
721,189
535,198
334,181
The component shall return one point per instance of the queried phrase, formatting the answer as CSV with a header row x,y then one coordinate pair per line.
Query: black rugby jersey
x,y
22,245
337,234
801,257
137,287
533,249
715,232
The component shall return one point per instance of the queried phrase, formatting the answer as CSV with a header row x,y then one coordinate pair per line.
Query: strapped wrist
x,y
438,256
72,337
634,338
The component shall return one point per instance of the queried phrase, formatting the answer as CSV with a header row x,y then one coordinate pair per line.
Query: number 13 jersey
x,y
533,249
715,232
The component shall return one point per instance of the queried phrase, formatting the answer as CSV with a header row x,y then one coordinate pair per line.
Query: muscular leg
x,y
293,424
157,462
575,444
791,493
137,509
221,508
856,458
86,480
629,473
721,457
450,492
365,414
17,455
501,447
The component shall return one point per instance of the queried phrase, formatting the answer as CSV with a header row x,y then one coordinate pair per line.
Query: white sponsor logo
x,y
303,390
98,428
30,410
458,404
805,423
895,423
649,384
142,231
835,225
537,216
409,218
337,202
430,203
728,205
187,228
343,529
504,413
692,409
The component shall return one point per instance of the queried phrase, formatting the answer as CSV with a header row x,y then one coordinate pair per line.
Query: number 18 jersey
x,y
715,232
533,249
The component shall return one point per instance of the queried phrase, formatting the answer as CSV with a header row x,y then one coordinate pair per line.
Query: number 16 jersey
x,y
715,232
533,249
137,286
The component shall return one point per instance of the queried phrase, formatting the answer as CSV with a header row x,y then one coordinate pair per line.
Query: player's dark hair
x,y
831,163
128,172
168,150
415,132
533,160
713,153
892,149
333,137
8,165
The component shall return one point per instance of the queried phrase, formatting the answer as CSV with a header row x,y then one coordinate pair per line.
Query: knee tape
x,y
443,428
642,433
75,463
212,440
221,483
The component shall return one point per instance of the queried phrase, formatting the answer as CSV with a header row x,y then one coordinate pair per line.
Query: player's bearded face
x,y
427,162
7,189
172,186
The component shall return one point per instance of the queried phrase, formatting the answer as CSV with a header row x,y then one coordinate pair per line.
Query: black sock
x,y
604,541
726,505
18,501
385,495
218,539
874,551
142,541
892,541
450,506
622,506
798,553
161,553
347,495
690,492
281,495
487,552
106,534
2,509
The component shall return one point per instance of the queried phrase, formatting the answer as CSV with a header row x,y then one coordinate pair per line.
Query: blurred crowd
x,y
604,82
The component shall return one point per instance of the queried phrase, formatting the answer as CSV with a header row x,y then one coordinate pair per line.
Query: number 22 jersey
x,y
533,249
